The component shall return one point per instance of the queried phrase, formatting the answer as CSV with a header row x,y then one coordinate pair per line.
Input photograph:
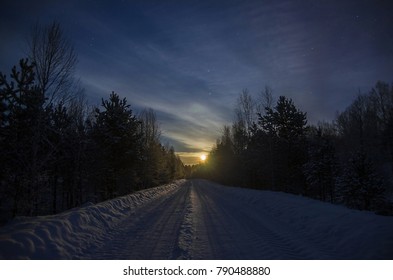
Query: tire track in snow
x,y
217,236
203,220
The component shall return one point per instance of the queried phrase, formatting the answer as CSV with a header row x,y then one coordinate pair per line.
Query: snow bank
x,y
67,235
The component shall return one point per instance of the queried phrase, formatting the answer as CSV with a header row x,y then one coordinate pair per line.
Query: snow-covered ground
x,y
198,219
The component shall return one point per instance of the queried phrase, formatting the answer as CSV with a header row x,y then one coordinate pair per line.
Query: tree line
x,y
58,152
271,146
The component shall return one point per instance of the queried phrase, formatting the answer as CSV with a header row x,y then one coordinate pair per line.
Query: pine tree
x,y
24,148
360,186
321,167
284,121
116,133
283,128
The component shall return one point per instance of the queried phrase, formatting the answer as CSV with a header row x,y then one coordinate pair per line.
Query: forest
x,y
57,151
270,146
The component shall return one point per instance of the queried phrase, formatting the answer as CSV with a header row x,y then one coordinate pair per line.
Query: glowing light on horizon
x,y
203,157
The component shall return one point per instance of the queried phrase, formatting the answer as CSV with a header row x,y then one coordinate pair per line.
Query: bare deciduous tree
x,y
245,112
150,126
266,100
55,61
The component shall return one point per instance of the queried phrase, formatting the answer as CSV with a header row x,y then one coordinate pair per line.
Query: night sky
x,y
189,60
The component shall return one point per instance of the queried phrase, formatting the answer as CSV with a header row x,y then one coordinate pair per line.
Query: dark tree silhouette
x,y
360,186
55,61
284,121
24,139
116,134
282,129
321,167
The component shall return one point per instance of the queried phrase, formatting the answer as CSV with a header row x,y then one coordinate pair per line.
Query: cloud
x,y
191,73
190,60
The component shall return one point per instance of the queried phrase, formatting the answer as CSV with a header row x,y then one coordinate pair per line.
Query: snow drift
x,y
69,234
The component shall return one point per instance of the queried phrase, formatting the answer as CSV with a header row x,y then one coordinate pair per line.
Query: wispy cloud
x,y
190,60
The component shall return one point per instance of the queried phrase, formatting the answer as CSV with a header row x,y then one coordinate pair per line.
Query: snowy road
x,y
198,219
203,220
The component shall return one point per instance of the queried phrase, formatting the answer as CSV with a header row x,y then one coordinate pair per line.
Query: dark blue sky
x,y
189,60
